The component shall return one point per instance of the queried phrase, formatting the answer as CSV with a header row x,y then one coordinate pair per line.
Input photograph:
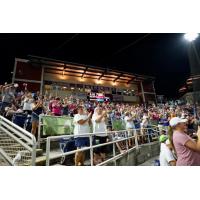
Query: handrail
x,y
91,147
25,132
20,136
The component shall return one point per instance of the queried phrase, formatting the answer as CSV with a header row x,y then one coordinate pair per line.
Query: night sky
x,y
164,56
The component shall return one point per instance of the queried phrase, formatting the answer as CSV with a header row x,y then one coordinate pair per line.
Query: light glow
x,y
191,36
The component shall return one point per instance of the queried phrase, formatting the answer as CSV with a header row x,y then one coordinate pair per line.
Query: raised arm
x,y
195,146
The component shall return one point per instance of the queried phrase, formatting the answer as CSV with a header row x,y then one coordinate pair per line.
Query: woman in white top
x,y
99,128
82,123
27,103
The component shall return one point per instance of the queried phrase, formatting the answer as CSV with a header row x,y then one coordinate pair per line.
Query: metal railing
x,y
17,146
115,138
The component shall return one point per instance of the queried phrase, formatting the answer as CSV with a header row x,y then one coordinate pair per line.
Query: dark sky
x,y
161,55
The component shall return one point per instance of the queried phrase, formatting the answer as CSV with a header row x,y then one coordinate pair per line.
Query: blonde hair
x,y
170,133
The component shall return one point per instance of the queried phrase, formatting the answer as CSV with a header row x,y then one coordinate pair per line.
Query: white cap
x,y
176,120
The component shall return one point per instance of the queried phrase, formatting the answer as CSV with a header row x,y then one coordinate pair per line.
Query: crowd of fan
x,y
14,101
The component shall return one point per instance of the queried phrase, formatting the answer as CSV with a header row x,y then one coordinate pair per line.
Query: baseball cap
x,y
176,120
163,138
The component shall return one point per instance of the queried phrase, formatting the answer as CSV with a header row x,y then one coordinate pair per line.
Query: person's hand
x,y
104,112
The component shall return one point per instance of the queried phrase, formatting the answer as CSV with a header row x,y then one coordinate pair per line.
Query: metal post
x,y
136,139
126,135
56,90
126,132
33,154
91,152
48,152
154,92
148,134
39,131
42,80
143,96
14,71
114,151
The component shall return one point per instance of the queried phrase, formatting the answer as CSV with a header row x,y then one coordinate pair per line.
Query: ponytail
x,y
170,133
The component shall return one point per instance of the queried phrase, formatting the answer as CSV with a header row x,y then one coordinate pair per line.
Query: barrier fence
x,y
116,138
17,146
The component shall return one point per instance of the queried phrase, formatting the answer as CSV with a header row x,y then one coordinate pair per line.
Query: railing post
x,y
33,159
148,135
127,147
136,138
126,136
48,151
114,150
91,151
39,131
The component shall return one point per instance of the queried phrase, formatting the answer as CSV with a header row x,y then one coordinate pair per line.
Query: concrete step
x,y
12,153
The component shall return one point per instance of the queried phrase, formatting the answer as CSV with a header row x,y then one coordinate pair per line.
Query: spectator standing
x,y
82,123
37,109
27,103
99,119
56,107
129,127
166,155
187,150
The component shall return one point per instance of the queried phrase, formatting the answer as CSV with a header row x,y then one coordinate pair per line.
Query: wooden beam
x,y
118,77
131,80
86,68
102,74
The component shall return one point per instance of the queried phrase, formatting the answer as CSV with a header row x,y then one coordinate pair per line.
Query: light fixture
x,y
114,83
191,36
98,81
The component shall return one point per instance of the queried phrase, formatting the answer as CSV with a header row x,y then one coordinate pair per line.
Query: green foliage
x,y
53,126
118,125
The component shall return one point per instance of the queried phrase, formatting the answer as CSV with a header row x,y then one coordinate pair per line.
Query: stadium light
x,y
191,36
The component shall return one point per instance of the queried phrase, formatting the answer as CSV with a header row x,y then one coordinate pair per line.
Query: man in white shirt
x,y
82,123
99,128
166,155
144,124
129,127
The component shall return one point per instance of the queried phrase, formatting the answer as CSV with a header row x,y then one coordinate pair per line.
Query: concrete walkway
x,y
150,162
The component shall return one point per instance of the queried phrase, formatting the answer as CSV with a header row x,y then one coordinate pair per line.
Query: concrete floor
x,y
150,162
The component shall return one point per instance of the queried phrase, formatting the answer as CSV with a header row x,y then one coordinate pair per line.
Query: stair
x,y
12,148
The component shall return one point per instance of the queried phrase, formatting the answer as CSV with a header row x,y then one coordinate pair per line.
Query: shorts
x,y
82,142
101,140
34,117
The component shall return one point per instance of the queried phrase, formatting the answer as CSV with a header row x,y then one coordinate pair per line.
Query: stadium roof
x,y
87,71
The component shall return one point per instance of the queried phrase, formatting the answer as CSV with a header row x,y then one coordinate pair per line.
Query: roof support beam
x,y
86,68
118,77
102,74
131,80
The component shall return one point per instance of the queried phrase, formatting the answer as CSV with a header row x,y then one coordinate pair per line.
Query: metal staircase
x,y
17,146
